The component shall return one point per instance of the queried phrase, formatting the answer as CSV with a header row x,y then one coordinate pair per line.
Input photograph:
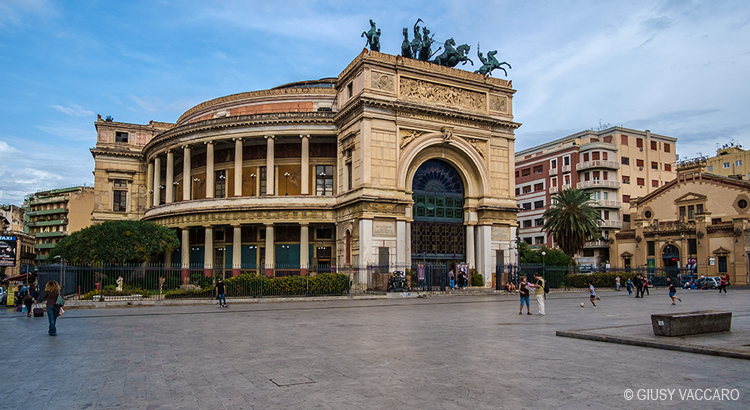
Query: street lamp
x,y
195,182
544,276
286,183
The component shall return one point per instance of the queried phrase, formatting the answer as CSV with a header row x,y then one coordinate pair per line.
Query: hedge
x,y
599,279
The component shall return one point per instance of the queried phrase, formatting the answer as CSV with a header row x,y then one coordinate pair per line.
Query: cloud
x,y
16,12
6,150
74,110
70,131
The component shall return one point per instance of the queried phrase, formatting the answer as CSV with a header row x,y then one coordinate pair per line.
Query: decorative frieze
x,y
498,103
426,92
381,81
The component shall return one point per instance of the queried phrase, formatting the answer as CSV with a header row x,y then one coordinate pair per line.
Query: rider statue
x,y
373,37
490,63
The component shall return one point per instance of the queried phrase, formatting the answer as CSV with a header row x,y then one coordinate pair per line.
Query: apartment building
x,y
730,161
55,214
615,165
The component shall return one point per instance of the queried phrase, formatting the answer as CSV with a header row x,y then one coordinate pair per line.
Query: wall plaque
x,y
385,229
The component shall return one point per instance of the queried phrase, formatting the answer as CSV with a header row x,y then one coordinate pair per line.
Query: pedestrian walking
x,y
723,283
31,297
523,291
51,292
638,282
629,285
221,294
672,291
540,296
645,286
617,283
592,297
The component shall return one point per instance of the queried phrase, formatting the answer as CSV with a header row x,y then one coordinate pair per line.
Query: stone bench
x,y
691,323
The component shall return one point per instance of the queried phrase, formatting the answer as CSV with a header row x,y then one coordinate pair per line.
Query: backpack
x,y
546,287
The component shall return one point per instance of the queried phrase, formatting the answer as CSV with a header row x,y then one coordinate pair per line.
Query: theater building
x,y
393,161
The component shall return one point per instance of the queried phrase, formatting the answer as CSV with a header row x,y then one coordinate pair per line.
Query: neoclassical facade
x,y
392,161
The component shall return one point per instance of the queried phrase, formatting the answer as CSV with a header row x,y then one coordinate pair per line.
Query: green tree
x,y
116,242
553,257
572,221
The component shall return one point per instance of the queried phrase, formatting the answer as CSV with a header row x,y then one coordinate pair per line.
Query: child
x,y
672,291
629,284
593,296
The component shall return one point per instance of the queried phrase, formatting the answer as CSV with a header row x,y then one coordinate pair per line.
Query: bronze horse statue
x,y
490,63
452,56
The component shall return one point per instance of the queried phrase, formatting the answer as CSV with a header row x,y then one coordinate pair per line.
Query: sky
x,y
678,67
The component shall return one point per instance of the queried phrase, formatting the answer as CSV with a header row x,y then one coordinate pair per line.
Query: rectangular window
x,y
595,156
566,178
526,172
738,163
606,215
726,165
538,169
220,188
651,248
624,139
654,183
553,182
605,175
518,191
349,176
710,168
324,180
595,174
526,206
324,233
691,212
639,162
682,212
641,182
604,156
654,165
553,164
605,195
692,246
639,142
625,161
667,167
516,174
539,222
723,264
527,223
585,157
527,189
539,240
626,218
586,176
699,209
667,148
121,136
527,240
538,204
566,161
715,221
120,201
626,199
538,187
654,145
262,180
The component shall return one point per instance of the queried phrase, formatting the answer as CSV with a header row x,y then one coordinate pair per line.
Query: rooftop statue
x,y
425,53
490,63
373,37
406,45
452,56
416,44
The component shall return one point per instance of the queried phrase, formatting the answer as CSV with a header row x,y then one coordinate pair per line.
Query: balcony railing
x,y
610,224
597,164
598,184
566,168
597,244
48,212
553,189
553,171
606,204
50,234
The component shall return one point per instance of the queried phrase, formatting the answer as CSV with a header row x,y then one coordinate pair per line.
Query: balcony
x,y
48,212
566,168
610,224
45,245
598,145
597,244
48,223
597,164
55,234
606,204
553,171
553,189
598,184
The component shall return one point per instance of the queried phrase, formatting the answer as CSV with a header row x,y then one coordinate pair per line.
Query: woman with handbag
x,y
51,295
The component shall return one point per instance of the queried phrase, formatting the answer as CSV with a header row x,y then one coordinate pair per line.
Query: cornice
x,y
115,153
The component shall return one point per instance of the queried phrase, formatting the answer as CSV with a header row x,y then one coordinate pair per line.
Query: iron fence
x,y
138,282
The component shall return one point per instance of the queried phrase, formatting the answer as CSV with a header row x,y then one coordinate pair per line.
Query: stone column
x,y
150,183
237,250
470,260
401,245
210,170
270,168
270,250
738,275
408,245
185,255
170,177
187,179
484,262
304,248
305,164
238,167
208,254
157,181
365,253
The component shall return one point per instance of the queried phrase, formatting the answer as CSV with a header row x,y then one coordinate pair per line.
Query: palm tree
x,y
572,221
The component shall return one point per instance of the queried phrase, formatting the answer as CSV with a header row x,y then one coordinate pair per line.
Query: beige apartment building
x,y
730,161
392,162
615,164
55,214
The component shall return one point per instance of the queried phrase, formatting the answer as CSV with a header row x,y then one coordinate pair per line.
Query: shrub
x,y
112,291
477,279
600,279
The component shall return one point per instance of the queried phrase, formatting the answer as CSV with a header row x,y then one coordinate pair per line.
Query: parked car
x,y
712,281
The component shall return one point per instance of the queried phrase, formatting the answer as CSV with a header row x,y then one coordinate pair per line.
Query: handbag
x,y
60,301
38,312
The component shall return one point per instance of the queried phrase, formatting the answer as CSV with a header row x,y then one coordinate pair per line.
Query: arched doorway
x,y
438,235
671,258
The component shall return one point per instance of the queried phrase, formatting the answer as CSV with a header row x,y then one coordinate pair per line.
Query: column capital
x,y
269,136
237,139
186,146
208,142
235,225
304,223
304,136
268,224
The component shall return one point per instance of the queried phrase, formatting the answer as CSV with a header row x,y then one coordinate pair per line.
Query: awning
x,y
21,278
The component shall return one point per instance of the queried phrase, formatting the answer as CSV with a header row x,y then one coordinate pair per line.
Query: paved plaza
x,y
460,352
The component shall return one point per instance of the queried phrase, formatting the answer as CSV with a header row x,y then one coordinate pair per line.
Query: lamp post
x,y
544,270
195,182
286,183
